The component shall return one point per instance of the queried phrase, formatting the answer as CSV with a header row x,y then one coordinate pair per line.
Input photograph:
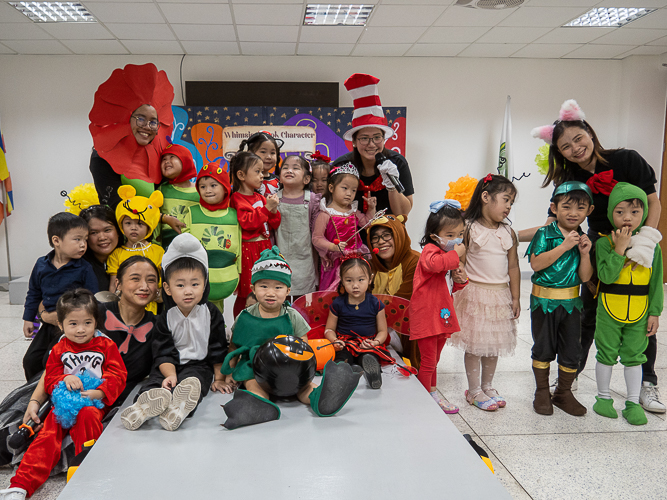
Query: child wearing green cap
x,y
560,256
630,298
269,317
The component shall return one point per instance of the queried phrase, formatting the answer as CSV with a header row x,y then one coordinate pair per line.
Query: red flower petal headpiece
x,y
115,100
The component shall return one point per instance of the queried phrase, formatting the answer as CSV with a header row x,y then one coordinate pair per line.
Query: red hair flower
x,y
115,100
317,156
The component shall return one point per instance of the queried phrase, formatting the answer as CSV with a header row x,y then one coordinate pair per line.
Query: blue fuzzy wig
x,y
67,404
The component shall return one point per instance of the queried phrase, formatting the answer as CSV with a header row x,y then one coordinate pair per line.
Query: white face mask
x,y
447,245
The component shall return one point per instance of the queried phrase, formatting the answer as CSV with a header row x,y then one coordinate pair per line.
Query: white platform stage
x,y
393,443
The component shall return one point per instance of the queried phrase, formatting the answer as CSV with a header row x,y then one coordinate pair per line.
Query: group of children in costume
x,y
465,288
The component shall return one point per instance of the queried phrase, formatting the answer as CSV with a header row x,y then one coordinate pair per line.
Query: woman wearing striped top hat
x,y
379,168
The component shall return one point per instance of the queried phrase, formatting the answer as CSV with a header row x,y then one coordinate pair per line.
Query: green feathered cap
x,y
623,192
569,186
271,265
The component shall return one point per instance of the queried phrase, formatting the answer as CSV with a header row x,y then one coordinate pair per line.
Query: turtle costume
x,y
217,228
626,299
251,330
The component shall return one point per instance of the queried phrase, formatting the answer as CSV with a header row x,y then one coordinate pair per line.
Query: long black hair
x,y
492,184
255,141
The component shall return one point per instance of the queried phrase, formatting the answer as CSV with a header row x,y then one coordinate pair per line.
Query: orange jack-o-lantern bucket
x,y
324,351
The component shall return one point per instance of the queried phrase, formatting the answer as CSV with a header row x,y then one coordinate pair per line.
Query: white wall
x,y
455,113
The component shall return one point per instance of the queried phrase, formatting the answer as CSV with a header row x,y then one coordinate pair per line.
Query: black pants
x,y
556,334
347,357
588,315
198,369
34,360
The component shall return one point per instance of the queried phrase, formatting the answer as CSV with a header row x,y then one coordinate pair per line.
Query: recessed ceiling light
x,y
613,17
54,12
337,14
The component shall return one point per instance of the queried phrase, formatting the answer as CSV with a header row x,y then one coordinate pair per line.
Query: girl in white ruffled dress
x,y
488,307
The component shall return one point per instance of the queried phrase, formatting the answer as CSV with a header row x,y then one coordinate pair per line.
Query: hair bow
x,y
436,206
318,156
488,178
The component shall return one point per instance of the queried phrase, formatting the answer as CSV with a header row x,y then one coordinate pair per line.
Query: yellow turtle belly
x,y
628,307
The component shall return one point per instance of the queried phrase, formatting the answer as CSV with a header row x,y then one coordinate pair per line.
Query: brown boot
x,y
563,397
542,402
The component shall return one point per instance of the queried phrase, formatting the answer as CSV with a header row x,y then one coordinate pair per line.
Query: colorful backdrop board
x,y
214,133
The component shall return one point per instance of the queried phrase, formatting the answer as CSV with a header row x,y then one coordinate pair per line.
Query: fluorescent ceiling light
x,y
337,14
613,17
54,12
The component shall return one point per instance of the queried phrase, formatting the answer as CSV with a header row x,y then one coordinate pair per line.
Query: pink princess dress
x,y
333,225
484,307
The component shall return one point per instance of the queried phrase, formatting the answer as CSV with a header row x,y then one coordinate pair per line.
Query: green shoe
x,y
605,407
634,414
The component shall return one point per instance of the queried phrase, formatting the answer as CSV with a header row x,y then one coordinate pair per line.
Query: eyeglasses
x,y
142,122
365,140
382,236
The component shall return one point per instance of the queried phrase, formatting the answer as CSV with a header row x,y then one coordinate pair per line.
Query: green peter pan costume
x,y
251,330
626,298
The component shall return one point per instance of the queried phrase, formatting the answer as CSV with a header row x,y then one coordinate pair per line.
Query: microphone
x,y
27,430
379,159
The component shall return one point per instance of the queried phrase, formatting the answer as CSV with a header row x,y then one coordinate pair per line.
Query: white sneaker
x,y
13,494
149,404
184,399
649,398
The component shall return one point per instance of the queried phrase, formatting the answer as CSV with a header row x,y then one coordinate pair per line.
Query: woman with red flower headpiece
x,y
575,154
131,123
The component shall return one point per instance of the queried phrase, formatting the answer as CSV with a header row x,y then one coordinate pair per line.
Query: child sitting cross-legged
x,y
82,356
189,344
269,318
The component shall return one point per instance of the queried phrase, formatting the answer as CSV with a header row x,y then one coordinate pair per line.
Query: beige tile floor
x,y
535,457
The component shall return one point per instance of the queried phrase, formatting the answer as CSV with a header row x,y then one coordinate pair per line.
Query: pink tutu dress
x,y
329,226
484,307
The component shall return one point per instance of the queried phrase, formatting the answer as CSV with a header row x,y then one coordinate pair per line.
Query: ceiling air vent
x,y
489,4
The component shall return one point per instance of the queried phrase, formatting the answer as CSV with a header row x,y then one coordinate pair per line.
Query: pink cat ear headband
x,y
569,112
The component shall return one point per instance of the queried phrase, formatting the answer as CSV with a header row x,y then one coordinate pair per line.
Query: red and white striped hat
x,y
367,106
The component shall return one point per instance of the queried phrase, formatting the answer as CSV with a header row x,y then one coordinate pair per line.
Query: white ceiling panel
x,y
546,51
549,17
191,1
236,2
153,47
197,13
413,2
491,49
325,49
405,15
270,15
599,51
633,3
453,35
646,50
9,14
6,50
436,49
563,3
381,49
37,46
249,33
574,35
77,31
267,49
659,41
20,31
120,12
377,34
124,31
95,46
503,34
205,32
331,34
207,48
657,20
628,37
461,16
